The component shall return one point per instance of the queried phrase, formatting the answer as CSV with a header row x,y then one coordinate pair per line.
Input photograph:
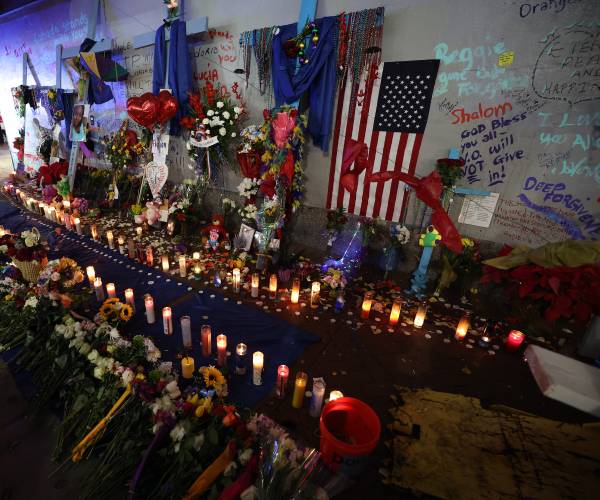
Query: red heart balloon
x,y
168,106
144,109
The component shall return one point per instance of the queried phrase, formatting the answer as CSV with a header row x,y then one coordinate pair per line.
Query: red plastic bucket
x,y
350,430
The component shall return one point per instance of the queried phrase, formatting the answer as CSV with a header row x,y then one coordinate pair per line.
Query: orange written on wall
x,y
462,116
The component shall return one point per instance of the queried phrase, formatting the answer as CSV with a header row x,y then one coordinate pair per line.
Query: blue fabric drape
x,y
178,70
317,77
67,103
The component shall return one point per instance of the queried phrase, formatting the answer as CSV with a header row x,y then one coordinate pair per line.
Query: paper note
x,y
478,210
506,58
160,147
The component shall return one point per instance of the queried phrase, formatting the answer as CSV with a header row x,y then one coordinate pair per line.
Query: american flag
x,y
389,116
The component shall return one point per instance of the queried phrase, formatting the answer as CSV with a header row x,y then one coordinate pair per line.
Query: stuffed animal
x,y
213,232
151,214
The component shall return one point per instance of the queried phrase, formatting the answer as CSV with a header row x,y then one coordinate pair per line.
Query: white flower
x,y
230,469
127,376
233,134
166,367
173,389
237,110
226,115
93,355
98,372
114,334
245,455
205,121
31,302
220,104
85,348
222,131
210,112
31,238
55,276
177,433
3,248
198,441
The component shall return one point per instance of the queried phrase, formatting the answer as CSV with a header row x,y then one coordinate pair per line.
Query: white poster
x,y
37,128
478,210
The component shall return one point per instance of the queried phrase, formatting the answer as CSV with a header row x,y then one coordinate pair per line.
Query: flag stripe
x,y
394,187
387,145
410,142
334,172
391,165
349,117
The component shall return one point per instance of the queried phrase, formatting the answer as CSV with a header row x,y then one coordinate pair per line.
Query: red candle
x,y
514,340
167,321
283,373
221,350
205,339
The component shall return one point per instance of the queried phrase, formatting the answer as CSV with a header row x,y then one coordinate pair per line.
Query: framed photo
x,y
78,132
245,237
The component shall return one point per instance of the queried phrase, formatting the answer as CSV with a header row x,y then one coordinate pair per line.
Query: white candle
x,y
255,285
196,256
121,240
53,214
109,237
167,321
129,299
91,274
240,358
111,290
333,395
78,225
182,266
295,296
138,231
221,350
235,274
2,231
165,263
316,401
99,289
149,303
258,360
315,292
67,218
186,331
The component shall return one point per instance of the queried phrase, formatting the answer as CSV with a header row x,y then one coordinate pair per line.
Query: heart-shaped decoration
x,y
156,176
168,106
144,109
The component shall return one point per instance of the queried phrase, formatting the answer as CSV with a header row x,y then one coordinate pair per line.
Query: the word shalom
x,y
462,116
556,6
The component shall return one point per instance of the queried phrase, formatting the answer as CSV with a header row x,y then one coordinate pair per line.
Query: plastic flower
x,y
212,376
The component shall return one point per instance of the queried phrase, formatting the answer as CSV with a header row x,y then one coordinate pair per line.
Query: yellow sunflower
x,y
126,312
112,300
107,311
212,376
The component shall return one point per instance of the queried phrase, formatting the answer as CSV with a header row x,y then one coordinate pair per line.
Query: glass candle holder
x,y
315,292
258,361
129,298
121,241
91,274
186,331
420,316
165,263
110,239
149,256
240,358
149,305
94,231
299,389
283,373
77,222
255,285
514,340
167,316
395,313
235,279
316,400
206,339
111,290
99,289
221,350
365,309
182,266
273,286
462,328
295,296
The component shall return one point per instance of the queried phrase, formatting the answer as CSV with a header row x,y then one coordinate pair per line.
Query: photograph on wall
x,y
81,112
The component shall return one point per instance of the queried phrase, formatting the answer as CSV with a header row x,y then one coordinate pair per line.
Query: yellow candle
x,y
395,313
94,231
182,266
91,274
129,298
165,263
167,321
187,367
420,316
462,328
255,284
258,361
315,291
299,389
333,395
111,291
221,350
295,297
273,286
366,307
235,279
109,237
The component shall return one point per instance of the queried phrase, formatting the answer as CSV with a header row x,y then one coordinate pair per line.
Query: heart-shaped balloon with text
x,y
156,175
144,109
168,106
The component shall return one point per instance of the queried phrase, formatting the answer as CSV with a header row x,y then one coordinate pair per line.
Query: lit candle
x,y
462,328
282,377
67,205
111,290
187,367
197,268
395,313
217,278
235,279
316,400
333,395
420,316
205,339
78,225
53,214
131,248
273,286
255,284
129,299
149,256
138,231
99,289
299,389
514,340
196,256
109,237
165,263
149,303
315,292
484,341
121,240
67,219
2,231
94,231
221,350
186,331
295,297
366,306
182,266
240,358
167,321
170,227
258,361
91,274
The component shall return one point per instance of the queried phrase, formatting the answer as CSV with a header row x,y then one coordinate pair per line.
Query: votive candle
x,y
240,358
129,298
514,340
335,394
167,321
283,373
149,304
366,307
91,274
121,241
139,230
67,205
205,339
316,400
68,223
109,237
187,367
111,290
197,268
186,331
420,316
196,256
273,286
221,350
165,263
170,227
395,313
99,289
235,279
131,248
149,256
299,389
255,285
94,231
315,292
182,266
258,361
462,328
295,296
78,225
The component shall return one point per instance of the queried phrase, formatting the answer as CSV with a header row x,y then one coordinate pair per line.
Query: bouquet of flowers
x,y
334,279
114,312
19,144
28,252
123,147
51,174
58,278
336,220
